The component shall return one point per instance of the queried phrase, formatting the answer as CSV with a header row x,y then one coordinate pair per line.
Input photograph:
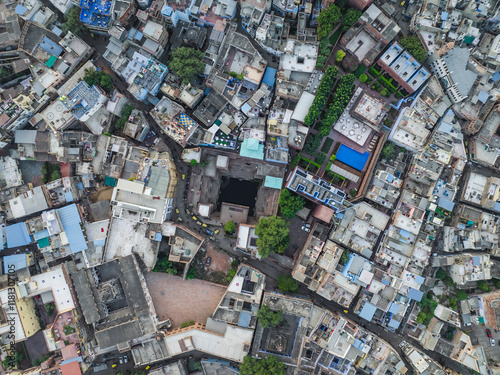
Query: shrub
x,y
320,157
324,89
339,55
327,20
287,284
193,162
230,227
363,78
361,69
483,286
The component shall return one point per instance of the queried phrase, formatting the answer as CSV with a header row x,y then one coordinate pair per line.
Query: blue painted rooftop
x,y
269,77
17,235
95,12
394,309
244,320
18,261
100,242
368,311
446,204
21,10
415,294
51,47
70,219
39,235
394,324
351,157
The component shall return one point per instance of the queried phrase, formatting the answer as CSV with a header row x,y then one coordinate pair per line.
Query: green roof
x,y
43,242
51,61
273,182
252,148
469,39
110,181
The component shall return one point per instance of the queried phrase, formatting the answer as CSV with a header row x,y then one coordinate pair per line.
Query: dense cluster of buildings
x,y
117,174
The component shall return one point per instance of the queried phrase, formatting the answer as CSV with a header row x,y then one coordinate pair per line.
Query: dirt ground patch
x,y
183,300
219,261
103,193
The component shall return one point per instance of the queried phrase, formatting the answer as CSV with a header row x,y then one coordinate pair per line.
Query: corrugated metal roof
x,y
368,311
18,261
25,136
446,204
415,294
394,324
394,309
17,235
70,219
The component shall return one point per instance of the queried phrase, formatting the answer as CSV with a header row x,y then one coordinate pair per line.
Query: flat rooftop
x,y
369,109
353,128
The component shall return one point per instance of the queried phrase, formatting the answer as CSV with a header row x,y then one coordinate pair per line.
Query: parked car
x,y
125,359
209,260
304,228
488,333
121,360
177,211
209,232
217,231
492,342
179,219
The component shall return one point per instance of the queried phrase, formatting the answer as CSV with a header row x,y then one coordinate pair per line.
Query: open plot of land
x,y
219,261
103,193
183,300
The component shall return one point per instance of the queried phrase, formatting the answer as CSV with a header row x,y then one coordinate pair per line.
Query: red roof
x,y
72,368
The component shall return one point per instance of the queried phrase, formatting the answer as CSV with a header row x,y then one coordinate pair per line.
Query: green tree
x,y
414,47
191,274
453,302
94,77
265,366
230,227
388,151
49,308
273,235
421,317
384,92
269,318
441,274
56,175
186,63
290,203
327,20
193,162
483,286
349,18
287,283
363,77
72,22
461,295
106,82
12,361
125,114
344,258
339,55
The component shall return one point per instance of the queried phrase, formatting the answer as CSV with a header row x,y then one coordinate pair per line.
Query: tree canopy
x,y
350,17
414,47
388,151
125,114
287,283
186,63
72,22
290,203
230,227
327,20
264,366
95,77
273,235
269,318
339,55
